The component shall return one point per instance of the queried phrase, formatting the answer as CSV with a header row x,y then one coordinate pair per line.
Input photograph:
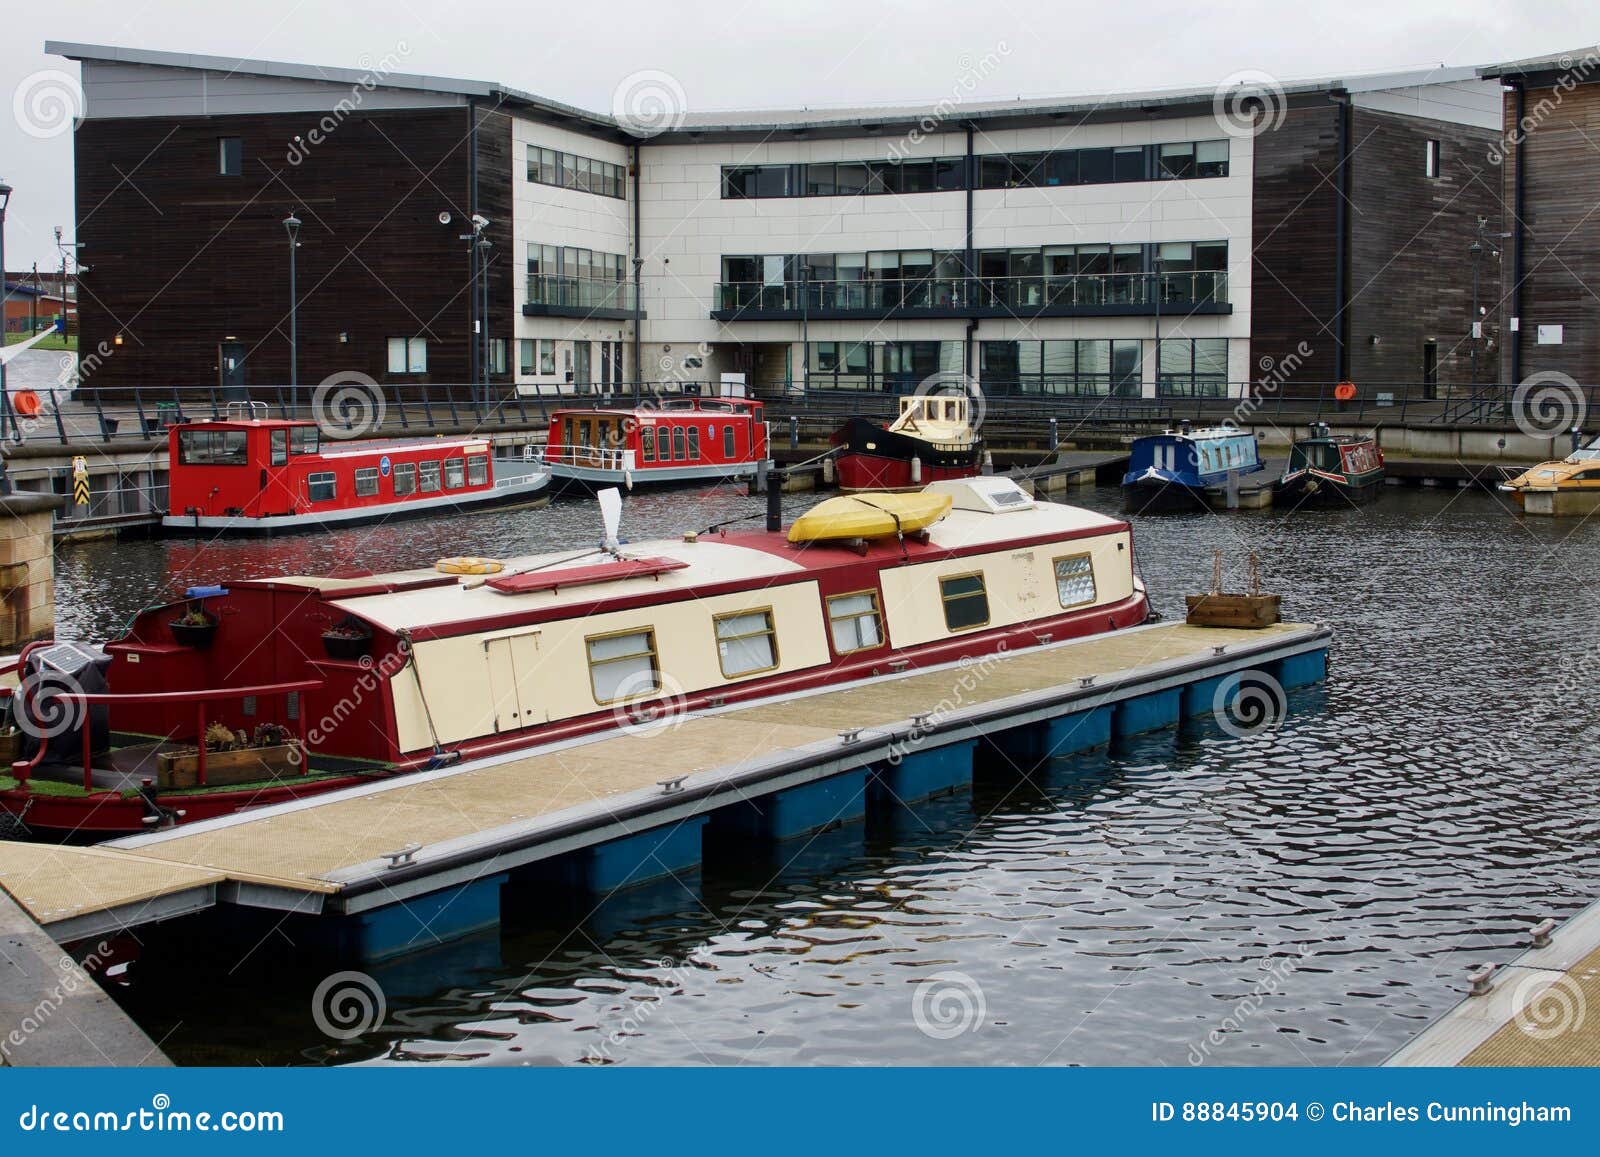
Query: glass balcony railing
x,y
1096,292
580,293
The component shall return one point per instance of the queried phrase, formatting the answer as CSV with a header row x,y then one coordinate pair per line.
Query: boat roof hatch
x,y
989,494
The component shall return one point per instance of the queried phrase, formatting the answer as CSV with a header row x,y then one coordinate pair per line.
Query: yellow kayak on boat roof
x,y
869,516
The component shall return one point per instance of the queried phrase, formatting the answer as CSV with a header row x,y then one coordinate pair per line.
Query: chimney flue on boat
x,y
774,501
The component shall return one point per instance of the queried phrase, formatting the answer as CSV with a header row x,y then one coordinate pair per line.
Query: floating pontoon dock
x,y
1541,1009
405,863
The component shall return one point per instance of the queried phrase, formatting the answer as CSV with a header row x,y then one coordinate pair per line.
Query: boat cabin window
x,y
679,441
746,643
647,445
728,448
663,444
280,447
623,665
478,470
405,479
322,486
966,603
455,473
213,448
855,622
428,477
304,439
1075,580
367,482
694,443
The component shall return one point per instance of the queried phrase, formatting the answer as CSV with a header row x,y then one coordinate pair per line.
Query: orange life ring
x,y
27,403
1344,391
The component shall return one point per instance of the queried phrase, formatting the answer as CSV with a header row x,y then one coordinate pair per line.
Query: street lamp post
x,y
291,226
1477,250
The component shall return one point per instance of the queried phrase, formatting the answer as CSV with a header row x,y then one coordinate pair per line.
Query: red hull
x,y
858,471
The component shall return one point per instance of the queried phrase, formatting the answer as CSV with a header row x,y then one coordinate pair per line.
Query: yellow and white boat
x,y
1568,486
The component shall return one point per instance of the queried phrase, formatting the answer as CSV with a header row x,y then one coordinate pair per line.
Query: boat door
x,y
230,367
511,661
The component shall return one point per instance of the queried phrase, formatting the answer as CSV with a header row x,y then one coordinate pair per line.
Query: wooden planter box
x,y
1248,611
176,769
10,750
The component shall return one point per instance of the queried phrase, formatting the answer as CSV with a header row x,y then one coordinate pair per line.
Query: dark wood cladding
x,y
179,258
1293,225
1408,269
1560,230
1410,258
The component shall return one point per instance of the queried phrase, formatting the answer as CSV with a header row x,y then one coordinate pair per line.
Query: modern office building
x,y
1142,244
1549,170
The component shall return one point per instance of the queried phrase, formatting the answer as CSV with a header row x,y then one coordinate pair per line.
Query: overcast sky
x,y
791,53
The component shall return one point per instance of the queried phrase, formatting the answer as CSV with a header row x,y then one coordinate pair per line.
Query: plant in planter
x,y
269,752
196,627
349,639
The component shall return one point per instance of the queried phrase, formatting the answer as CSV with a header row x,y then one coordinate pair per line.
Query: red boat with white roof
x,y
676,439
250,474
374,674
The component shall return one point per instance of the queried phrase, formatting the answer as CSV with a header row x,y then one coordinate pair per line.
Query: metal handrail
x,y
1174,290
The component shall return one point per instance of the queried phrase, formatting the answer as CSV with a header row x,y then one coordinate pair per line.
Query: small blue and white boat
x,y
1175,469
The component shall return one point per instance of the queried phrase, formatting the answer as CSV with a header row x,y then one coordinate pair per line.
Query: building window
x,y
1075,580
405,479
855,622
623,665
1430,159
455,474
497,355
477,470
1193,367
322,486
408,355
547,355
428,477
746,643
525,356
966,603
367,482
1069,367
570,171
230,156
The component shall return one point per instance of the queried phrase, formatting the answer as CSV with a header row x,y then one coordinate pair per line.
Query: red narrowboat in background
x,y
250,474
683,439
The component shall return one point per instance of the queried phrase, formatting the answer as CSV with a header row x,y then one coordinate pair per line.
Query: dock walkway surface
x,y
381,844
1542,1009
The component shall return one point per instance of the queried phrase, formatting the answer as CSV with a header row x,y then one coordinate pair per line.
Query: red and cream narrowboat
x,y
686,439
384,673
258,475
932,439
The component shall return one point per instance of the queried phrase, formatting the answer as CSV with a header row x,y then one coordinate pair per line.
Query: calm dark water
x,y
1311,895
